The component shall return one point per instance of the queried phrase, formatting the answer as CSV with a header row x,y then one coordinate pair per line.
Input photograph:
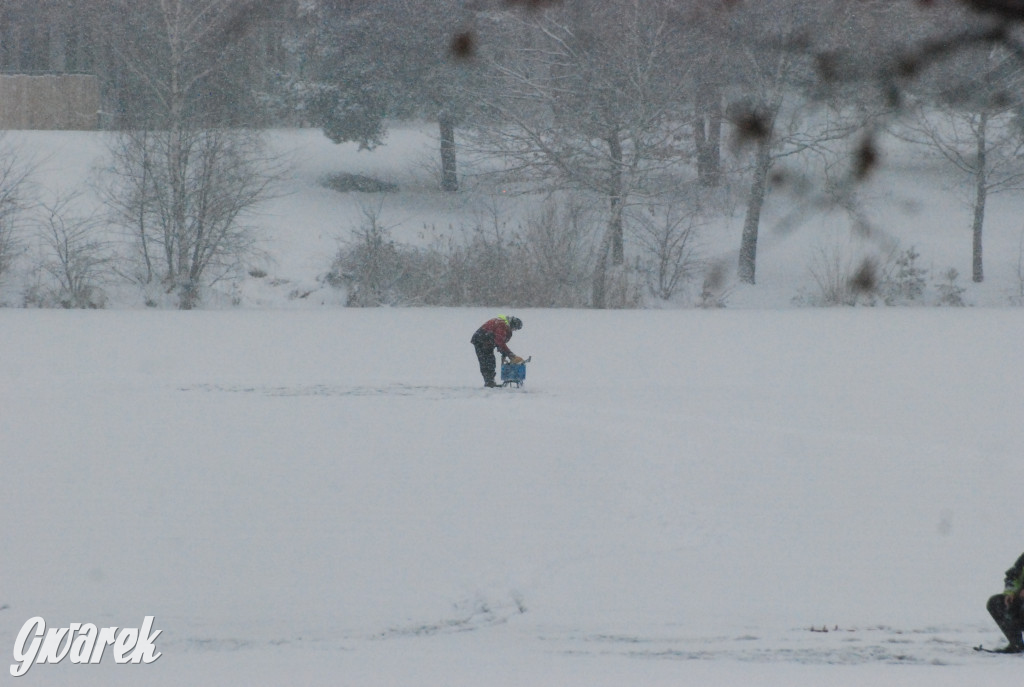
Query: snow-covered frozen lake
x,y
326,497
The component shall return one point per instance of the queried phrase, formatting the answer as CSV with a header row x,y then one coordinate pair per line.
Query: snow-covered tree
x,y
366,62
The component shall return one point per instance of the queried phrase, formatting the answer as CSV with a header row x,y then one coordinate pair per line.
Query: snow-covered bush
x,y
843,276
950,292
371,265
904,282
546,262
555,256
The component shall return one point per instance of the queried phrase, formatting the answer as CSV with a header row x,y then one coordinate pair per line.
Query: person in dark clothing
x,y
1007,609
494,334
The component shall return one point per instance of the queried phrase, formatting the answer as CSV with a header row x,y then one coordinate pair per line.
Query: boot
x,y
1008,618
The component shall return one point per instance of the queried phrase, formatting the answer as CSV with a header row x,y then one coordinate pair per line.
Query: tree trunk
x,y
449,177
613,241
599,287
758,192
143,207
707,133
615,199
981,193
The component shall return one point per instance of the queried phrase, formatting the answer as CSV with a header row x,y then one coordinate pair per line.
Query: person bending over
x,y
492,335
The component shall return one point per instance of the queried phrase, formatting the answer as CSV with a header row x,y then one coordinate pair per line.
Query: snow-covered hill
x,y
912,202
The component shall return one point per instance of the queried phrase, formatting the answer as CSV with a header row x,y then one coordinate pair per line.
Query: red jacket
x,y
498,330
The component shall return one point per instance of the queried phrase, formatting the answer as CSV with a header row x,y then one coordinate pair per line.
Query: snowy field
x,y
303,494
675,497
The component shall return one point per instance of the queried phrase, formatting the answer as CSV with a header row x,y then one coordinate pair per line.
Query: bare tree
x,y
75,258
586,99
977,130
780,112
184,196
181,183
701,26
985,146
180,59
16,198
668,236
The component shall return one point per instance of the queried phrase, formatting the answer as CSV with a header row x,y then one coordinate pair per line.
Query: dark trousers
x,y
1009,619
483,343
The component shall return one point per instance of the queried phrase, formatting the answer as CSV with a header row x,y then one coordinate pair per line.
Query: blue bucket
x,y
513,374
